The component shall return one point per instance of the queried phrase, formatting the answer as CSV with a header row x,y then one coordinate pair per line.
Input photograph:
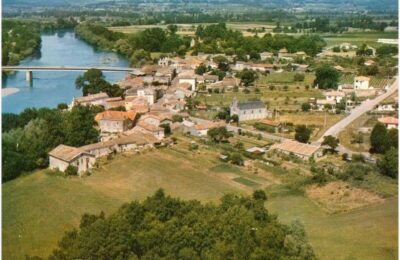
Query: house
x,y
301,67
144,127
337,96
262,67
390,122
139,104
63,155
208,78
201,129
323,104
275,125
250,110
266,55
165,62
386,107
114,102
301,150
94,99
190,80
115,121
130,142
361,82
282,53
149,93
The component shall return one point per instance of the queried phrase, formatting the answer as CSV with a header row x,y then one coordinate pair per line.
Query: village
x,y
163,99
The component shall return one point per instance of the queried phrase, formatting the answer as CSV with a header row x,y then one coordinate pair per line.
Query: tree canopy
x,y
326,77
302,134
93,82
162,227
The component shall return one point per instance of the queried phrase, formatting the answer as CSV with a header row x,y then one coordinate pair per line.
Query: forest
x,y
162,227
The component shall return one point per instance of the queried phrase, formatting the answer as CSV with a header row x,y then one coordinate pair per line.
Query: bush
x,y
71,170
264,127
305,107
299,77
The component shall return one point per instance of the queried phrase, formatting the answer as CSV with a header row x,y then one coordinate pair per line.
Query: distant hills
x,y
308,4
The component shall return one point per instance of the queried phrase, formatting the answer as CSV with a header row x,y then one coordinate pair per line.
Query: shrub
x,y
71,170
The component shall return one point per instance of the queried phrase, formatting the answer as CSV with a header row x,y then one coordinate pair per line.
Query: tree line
x,y
28,137
162,227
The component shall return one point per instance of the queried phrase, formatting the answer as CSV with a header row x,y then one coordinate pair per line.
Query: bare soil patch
x,y
340,196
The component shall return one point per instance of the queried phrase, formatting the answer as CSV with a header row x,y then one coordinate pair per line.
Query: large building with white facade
x,y
249,110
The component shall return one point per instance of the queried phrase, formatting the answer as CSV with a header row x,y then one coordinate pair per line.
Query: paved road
x,y
358,111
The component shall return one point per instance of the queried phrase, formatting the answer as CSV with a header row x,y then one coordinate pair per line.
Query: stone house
x,y
337,96
250,110
149,93
156,131
115,121
95,99
63,155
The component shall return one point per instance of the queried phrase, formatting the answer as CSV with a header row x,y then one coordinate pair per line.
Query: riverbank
x,y
8,91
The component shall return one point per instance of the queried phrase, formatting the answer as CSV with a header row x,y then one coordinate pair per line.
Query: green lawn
x,y
366,233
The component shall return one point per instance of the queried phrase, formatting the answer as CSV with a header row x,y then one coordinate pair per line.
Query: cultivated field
x,y
358,38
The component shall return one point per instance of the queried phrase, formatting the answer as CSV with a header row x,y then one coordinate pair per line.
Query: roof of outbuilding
x,y
296,147
65,152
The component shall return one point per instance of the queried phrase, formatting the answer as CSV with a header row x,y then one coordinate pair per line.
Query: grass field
x,y
359,38
39,207
366,233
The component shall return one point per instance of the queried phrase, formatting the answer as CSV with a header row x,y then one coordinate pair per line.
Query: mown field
x,y
359,38
39,207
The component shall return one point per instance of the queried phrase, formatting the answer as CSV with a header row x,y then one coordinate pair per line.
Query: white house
x,y
149,93
190,80
63,155
361,82
250,110
336,96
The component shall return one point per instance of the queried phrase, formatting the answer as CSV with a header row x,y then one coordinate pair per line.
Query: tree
x,y
247,76
379,138
177,118
79,126
167,128
93,81
235,118
302,133
259,195
71,170
218,134
388,164
236,158
393,136
236,228
299,77
62,106
172,28
332,142
305,107
201,69
326,77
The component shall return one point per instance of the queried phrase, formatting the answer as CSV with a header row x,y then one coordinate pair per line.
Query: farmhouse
x,y
115,121
361,82
303,151
63,155
248,110
274,125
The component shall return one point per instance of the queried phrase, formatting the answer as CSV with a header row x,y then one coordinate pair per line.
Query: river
x,y
49,88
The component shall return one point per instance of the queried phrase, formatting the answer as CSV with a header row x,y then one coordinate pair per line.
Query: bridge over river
x,y
30,69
